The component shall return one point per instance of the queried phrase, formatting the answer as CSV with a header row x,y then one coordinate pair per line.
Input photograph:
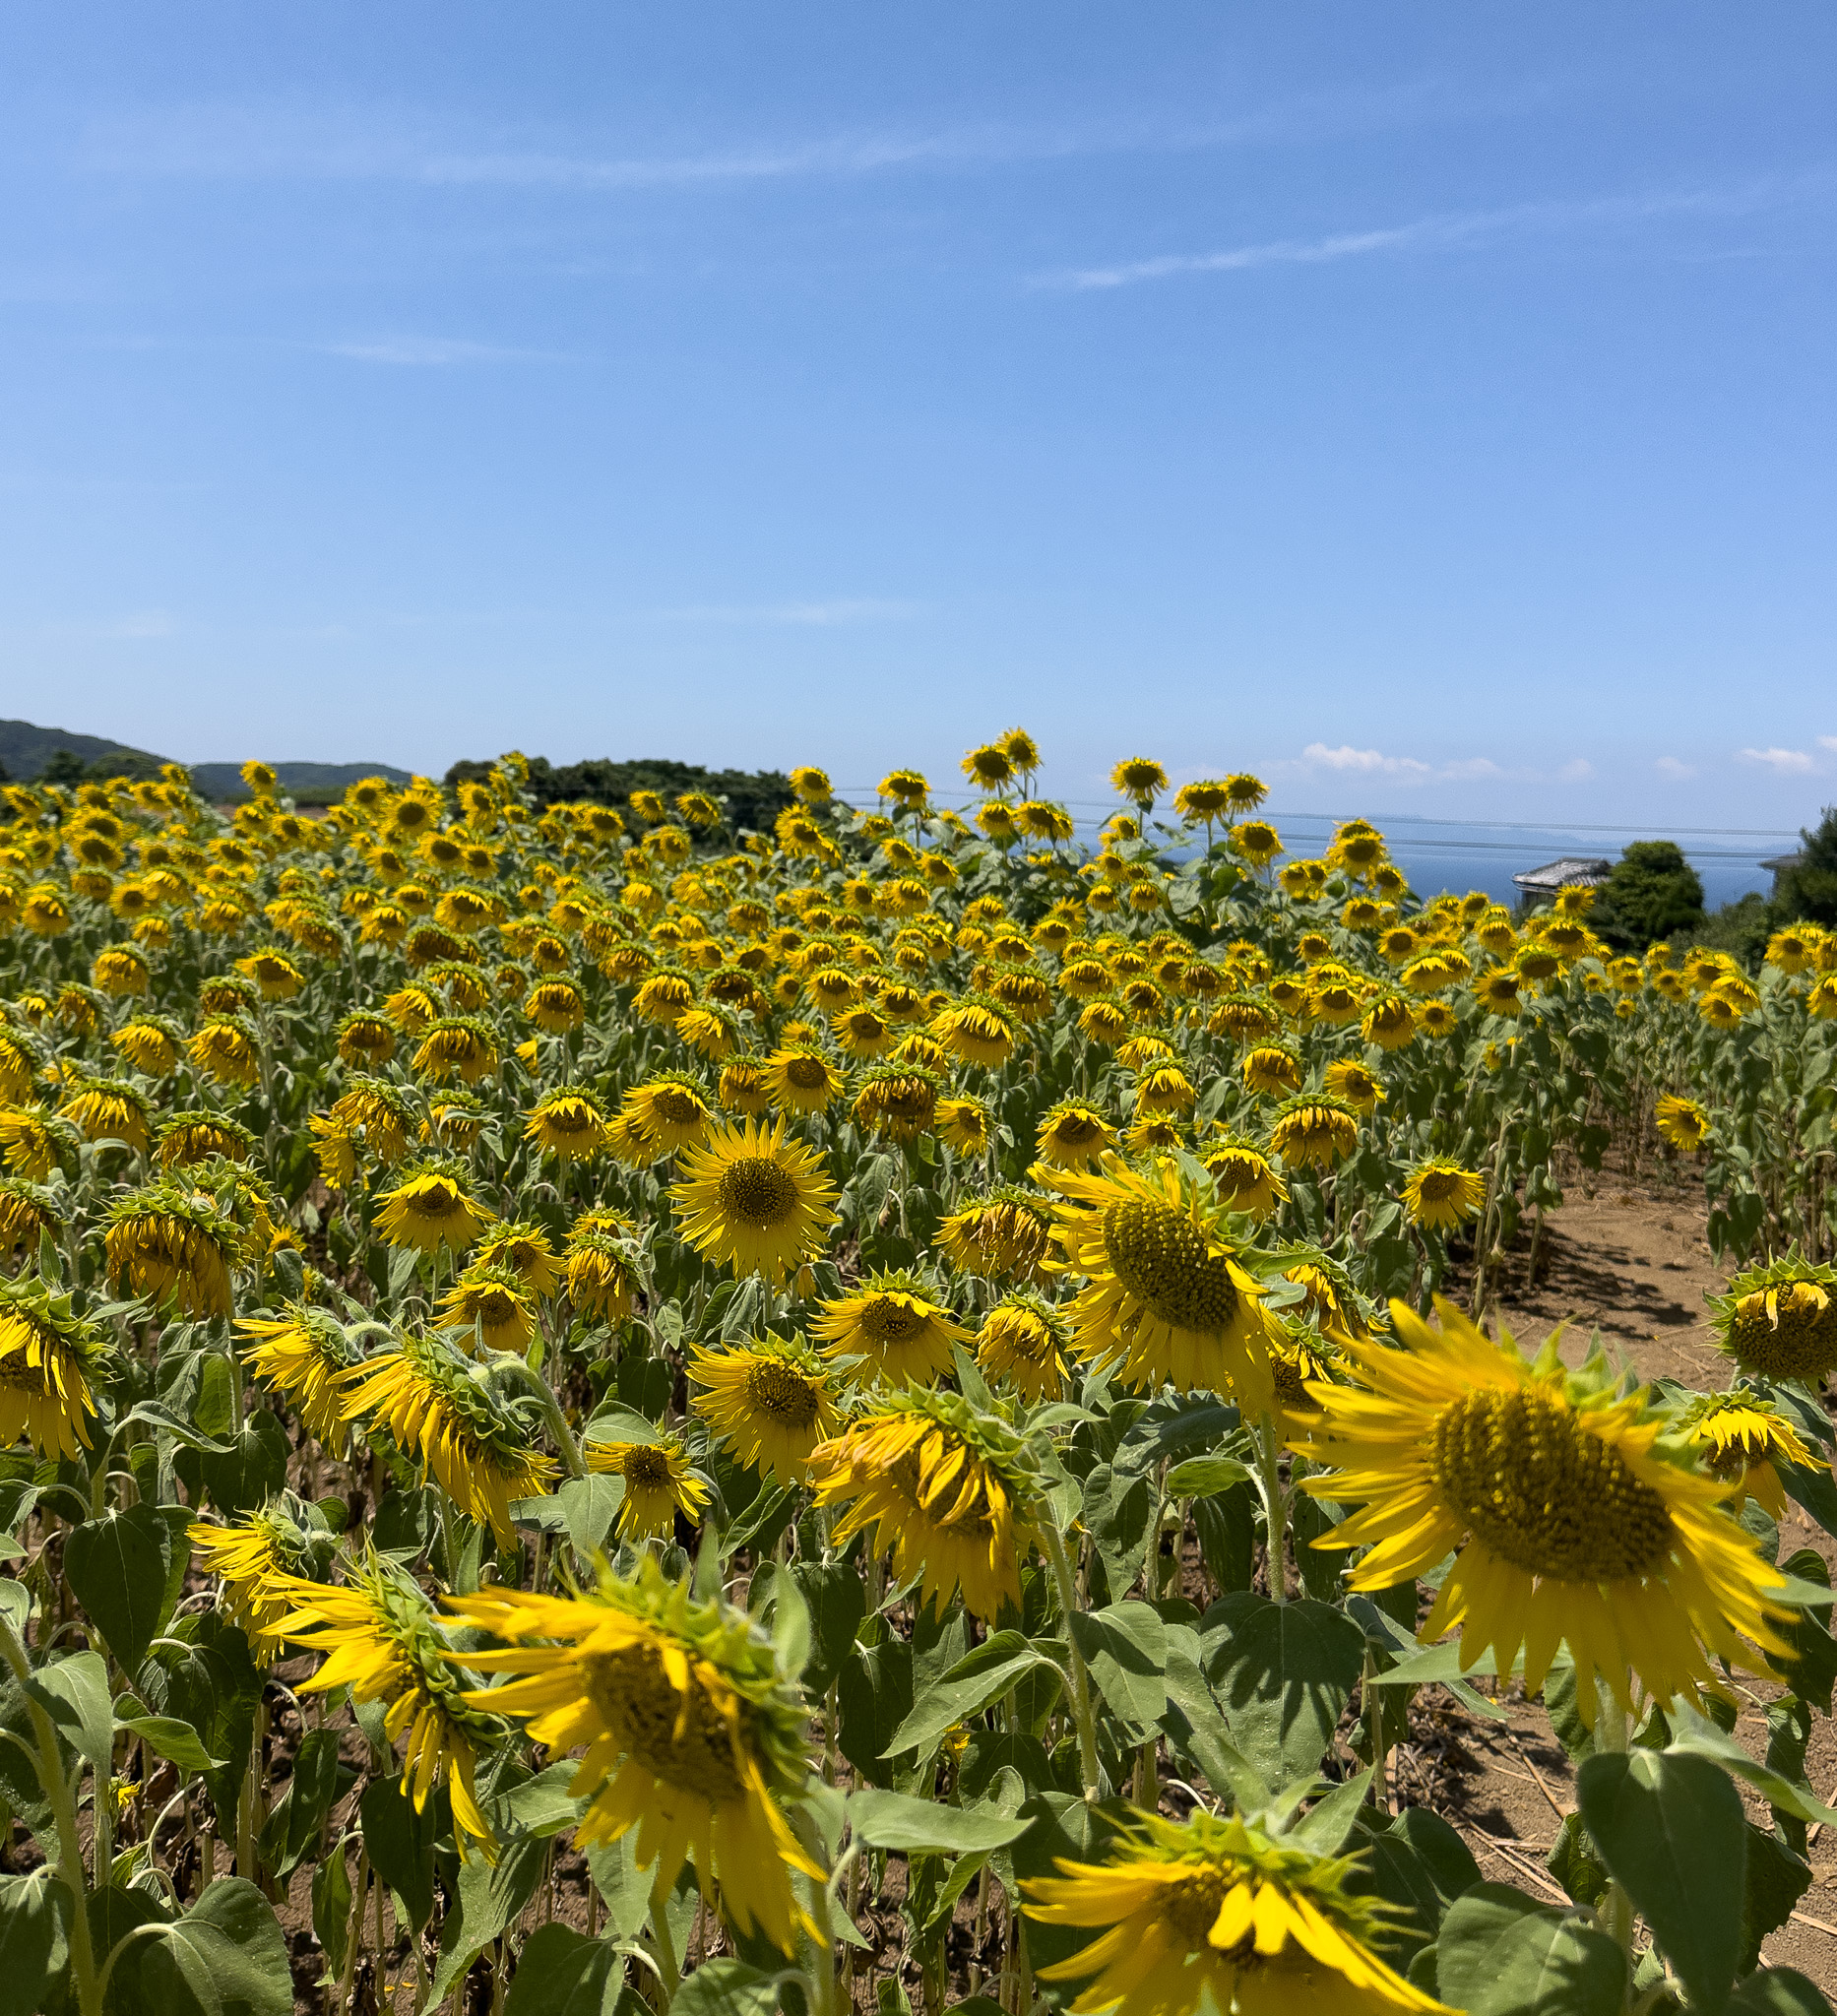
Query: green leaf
x,y
1439,1848
249,1471
35,1914
1440,1665
207,1680
74,1692
118,1567
837,1604
401,1845
1201,1476
1125,1648
625,1887
173,1740
1777,1879
492,1897
1283,1673
540,1806
318,1783
1197,1730
1778,1992
225,1957
1499,1954
1329,1821
972,1684
588,1506
1700,1737
889,1820
1062,1828
873,1698
1670,1827
330,1909
563,1974
1573,1863
725,1988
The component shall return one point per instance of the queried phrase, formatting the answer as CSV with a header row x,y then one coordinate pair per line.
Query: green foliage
x,y
1651,893
1809,889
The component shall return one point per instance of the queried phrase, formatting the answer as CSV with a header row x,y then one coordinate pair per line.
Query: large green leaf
x,y
1283,1673
725,1988
1697,1734
330,1909
1125,1648
889,1820
491,1896
1777,1879
118,1567
974,1684
207,1679
173,1740
873,1698
249,1471
1063,1828
318,1783
1197,1730
35,1912
74,1692
1671,1829
399,1843
562,1974
837,1604
225,1957
1778,1992
1501,1954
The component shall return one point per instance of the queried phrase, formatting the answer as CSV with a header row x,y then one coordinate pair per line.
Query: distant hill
x,y
25,749
313,784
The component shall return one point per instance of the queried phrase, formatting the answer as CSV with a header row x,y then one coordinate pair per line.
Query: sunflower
x,y
524,1248
600,1275
1299,1355
27,1212
1166,1293
365,1039
249,1557
383,1113
660,1116
1497,991
1442,1193
1105,1020
946,1490
1740,1438
802,1080
891,1321
556,1005
1682,1122
1139,778
334,1149
108,1109
899,1100
47,1358
17,1068
493,1299
658,1485
743,1086
1357,1084
386,1644
754,1201
1566,1522
664,996
1213,1914
1072,1135
769,1402
1024,1341
1270,1069
1315,1130
976,1033
1008,1231
198,1136
965,1124
1243,1175
224,1049
463,1046
430,1208
1780,1321
692,1731
568,1123
174,1244
305,1354
425,1393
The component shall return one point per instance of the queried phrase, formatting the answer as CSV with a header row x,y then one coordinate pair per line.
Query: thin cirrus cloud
x,y
1348,761
1455,231
1675,768
1785,762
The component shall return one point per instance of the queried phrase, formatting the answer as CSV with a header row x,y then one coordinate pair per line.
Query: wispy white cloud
x,y
1577,770
1678,772
819,616
1364,762
1828,742
1452,230
1788,762
434,351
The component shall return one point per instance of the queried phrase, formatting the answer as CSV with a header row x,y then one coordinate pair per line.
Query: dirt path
x,y
1628,1257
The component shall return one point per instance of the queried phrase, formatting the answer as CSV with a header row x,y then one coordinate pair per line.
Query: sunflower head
x,y
48,1359
304,1354
493,1299
1315,1130
1025,1341
1780,1321
430,1206
1006,1231
1246,1178
1442,1193
1684,1125
175,1242
659,1486
894,1323
1740,1438
899,1100
755,1201
769,1400
193,1137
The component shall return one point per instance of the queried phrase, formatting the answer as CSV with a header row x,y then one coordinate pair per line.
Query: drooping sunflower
x,y
36,1141
1781,1320
366,1040
975,1031
384,1642
1023,1341
1682,1122
462,1046
754,1201
1442,1193
568,1123
1567,1519
224,1049
192,1137
108,1109
1357,1084
253,1557
494,1298
1271,1069
1008,1231
600,1275
1315,1130
425,1394
1246,1178
661,1117
658,1485
693,1733
965,1124
1166,1293
303,1353
173,1244
430,1207
1740,1438
150,1044
946,1489
27,1210
899,1100
769,1402
524,1247
1072,1135
47,1358
891,1321
1214,1914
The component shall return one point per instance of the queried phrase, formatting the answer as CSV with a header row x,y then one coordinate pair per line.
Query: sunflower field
x,y
595,1409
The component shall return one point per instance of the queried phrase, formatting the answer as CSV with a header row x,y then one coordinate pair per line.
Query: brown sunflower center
x,y
1788,1333
887,1319
1165,1262
688,1743
1191,1904
1438,1185
783,1392
647,1465
807,1074
756,1190
1542,1492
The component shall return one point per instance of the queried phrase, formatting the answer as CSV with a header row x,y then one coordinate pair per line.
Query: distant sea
x,y
1438,854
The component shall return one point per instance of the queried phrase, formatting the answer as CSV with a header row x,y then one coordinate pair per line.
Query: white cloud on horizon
x,y
1576,770
1787,762
1671,767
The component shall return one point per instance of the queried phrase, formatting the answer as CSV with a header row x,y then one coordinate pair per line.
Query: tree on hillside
x,y
1810,889
754,798
1651,893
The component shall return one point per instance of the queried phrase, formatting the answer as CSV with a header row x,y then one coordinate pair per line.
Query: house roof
x,y
1572,871
1781,862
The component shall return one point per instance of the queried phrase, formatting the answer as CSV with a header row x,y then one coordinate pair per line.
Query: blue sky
x,y
1429,406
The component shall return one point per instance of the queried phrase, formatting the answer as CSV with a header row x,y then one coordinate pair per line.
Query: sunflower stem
x,y
1275,1506
668,1965
1080,1682
543,1393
